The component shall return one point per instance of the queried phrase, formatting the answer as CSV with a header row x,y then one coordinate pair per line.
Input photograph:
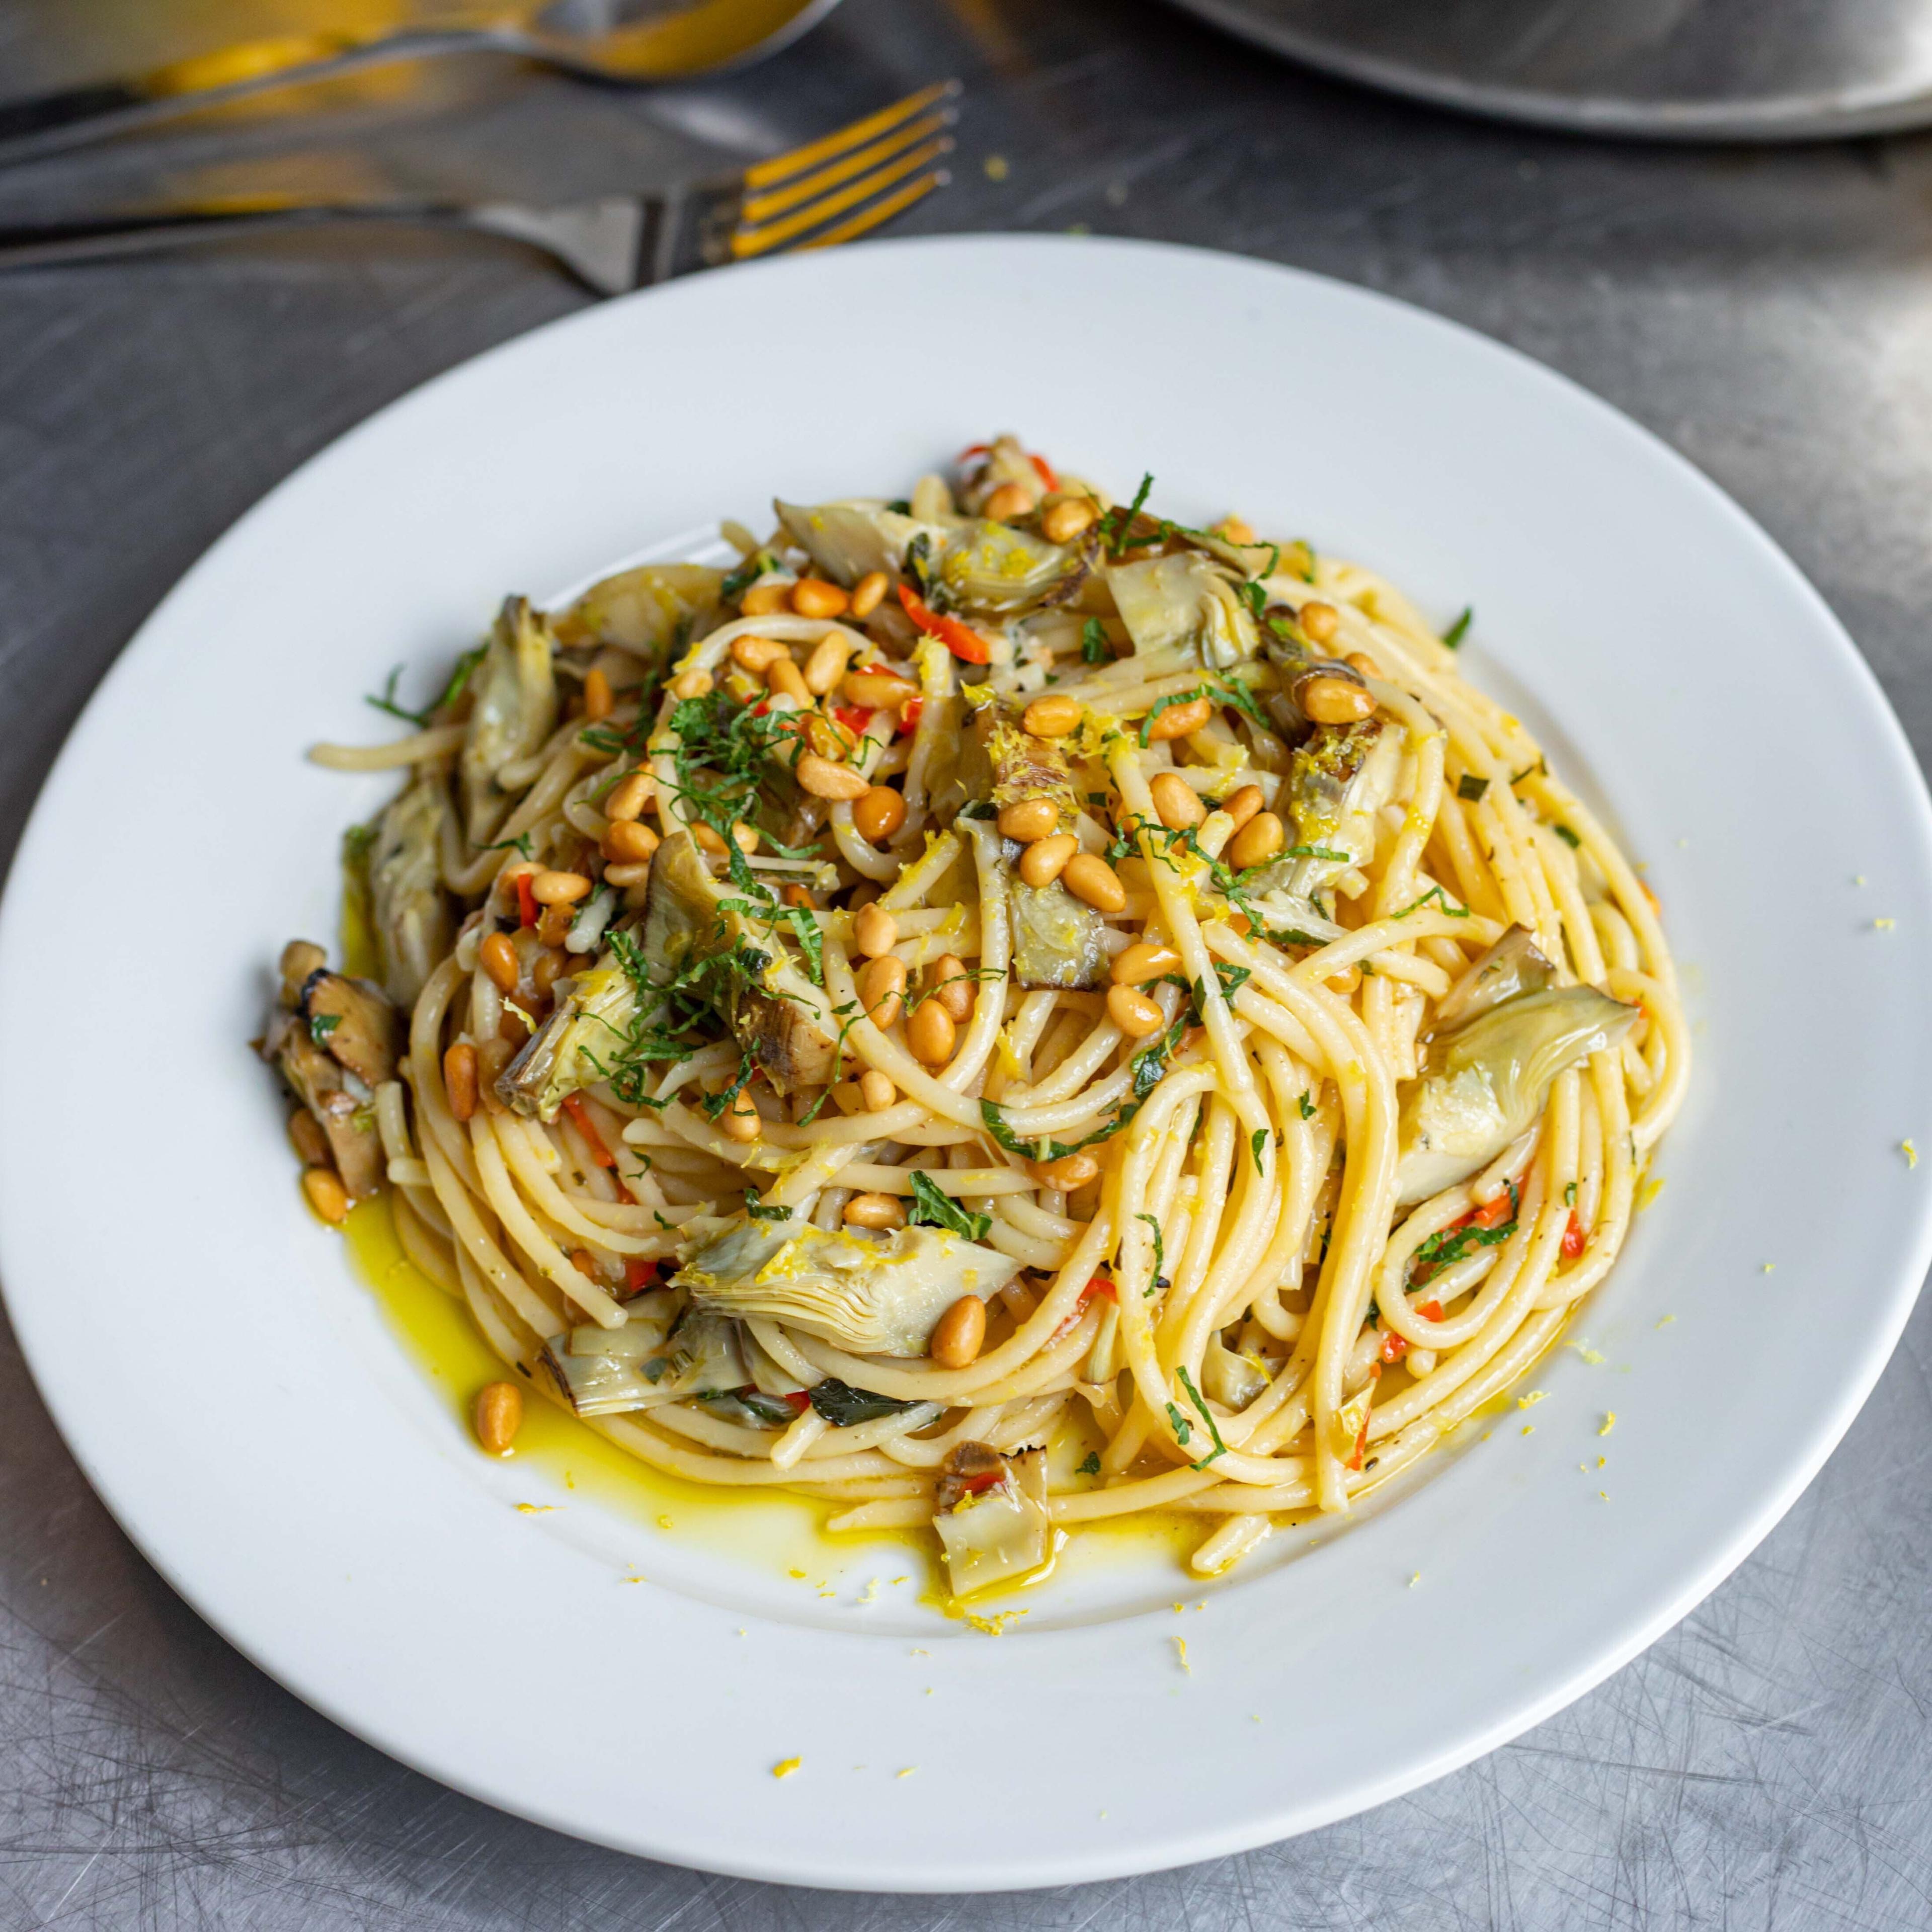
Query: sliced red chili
x,y
1573,1238
800,1402
854,717
964,643
1429,1311
1044,469
909,716
1394,1347
526,901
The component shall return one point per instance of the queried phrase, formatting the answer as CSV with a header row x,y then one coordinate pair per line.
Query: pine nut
x,y
1257,842
877,1090
326,1195
1070,1171
1361,660
1180,721
624,878
306,1136
498,958
765,600
1176,803
584,1262
598,702
878,690
459,1079
824,779
756,653
796,896
745,837
960,1334
1052,717
1146,959
1095,881
1009,501
550,889
1333,701
879,813
493,1057
553,963
553,924
1044,860
1243,805
874,1210
877,932
629,796
689,684
882,989
826,665
628,842
1134,1013
741,1121
1318,621
1344,981
1063,521
931,1035
868,592
1235,530
784,677
951,987
499,1414
813,597
1030,818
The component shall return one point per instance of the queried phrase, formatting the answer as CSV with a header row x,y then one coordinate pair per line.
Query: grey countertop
x,y
1769,313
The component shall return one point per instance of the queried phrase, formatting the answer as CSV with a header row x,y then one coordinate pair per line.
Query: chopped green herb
x,y
1117,523
1458,631
1256,1142
1307,1105
1568,837
1091,1467
1094,648
321,1025
1161,704
1471,788
935,1210
387,702
759,1211
843,1405
1570,1194
1183,1429
1160,1251
1327,854
1194,1395
1437,893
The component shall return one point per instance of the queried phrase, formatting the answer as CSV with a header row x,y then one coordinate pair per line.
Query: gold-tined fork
x,y
826,191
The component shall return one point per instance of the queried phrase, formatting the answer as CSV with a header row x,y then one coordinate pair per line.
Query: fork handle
x,y
40,124
48,245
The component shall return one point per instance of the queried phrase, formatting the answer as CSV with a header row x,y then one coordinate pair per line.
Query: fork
x,y
828,191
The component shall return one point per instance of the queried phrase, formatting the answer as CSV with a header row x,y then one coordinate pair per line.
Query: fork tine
x,y
758,207
829,147
749,242
869,218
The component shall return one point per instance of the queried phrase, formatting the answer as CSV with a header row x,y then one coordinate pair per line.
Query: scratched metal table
x,y
1766,1765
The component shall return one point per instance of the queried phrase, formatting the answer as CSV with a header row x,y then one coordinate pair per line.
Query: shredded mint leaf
x,y
758,1211
1094,648
1091,1467
935,1210
1194,1395
1471,788
1458,631
1256,1142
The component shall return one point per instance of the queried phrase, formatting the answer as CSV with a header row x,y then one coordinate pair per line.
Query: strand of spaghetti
x,y
1659,1001
552,1262
475,1244
436,742
515,1138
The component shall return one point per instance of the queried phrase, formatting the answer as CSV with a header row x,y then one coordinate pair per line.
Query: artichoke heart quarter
x,y
869,1295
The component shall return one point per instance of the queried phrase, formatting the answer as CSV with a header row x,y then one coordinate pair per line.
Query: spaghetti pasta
x,y
1000,1010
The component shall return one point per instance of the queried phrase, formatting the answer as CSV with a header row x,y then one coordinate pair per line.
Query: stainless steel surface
x,y
1670,69
1766,1765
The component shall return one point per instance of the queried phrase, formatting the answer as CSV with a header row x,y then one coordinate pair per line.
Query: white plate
x,y
233,1394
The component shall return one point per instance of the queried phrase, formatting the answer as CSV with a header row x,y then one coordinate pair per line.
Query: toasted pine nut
x,y
1318,621
1044,860
1134,1013
1344,981
629,796
1146,959
1333,701
1063,521
960,1334
691,684
876,930
584,1262
310,1143
625,877
1052,717
549,888
882,989
784,677
1009,501
1361,660
498,958
756,653
554,922
1235,530
1028,819
1243,805
824,779
765,600
1257,842
1070,1171
627,841
874,1210
795,895
951,988
868,592
877,1090
931,1035
1178,721
1095,881
878,690
459,1079
326,1195
493,1057
740,1121
553,963
598,701
813,597
879,813
826,665
1176,803
499,1414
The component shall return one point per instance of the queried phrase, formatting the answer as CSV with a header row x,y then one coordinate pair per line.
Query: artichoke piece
x,y
1482,1087
1230,1377
851,539
1056,941
645,1363
1337,781
1185,607
1508,970
992,1517
592,1019
408,909
353,1022
867,1295
647,611
514,711
301,958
